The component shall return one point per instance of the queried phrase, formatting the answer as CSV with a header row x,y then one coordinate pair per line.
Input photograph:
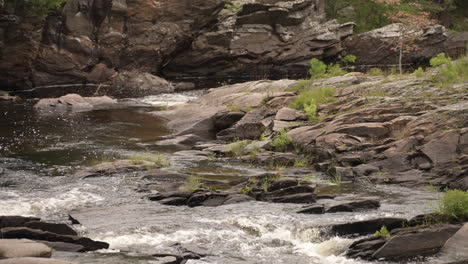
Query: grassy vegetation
x,y
450,71
282,141
232,6
319,69
193,183
454,203
158,159
300,163
238,148
245,190
419,72
309,99
383,232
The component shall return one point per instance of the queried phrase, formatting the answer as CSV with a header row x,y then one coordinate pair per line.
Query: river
x,y
40,153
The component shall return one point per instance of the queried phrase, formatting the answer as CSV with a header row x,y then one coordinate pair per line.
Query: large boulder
x,y
34,261
456,248
17,248
74,102
375,48
262,39
138,84
413,242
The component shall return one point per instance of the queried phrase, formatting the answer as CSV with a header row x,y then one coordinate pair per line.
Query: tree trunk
x,y
400,59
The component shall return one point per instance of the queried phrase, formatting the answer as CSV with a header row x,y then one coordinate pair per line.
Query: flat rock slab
x,y
34,261
367,227
413,242
456,248
355,206
15,248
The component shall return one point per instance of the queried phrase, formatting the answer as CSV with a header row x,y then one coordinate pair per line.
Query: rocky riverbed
x,y
198,178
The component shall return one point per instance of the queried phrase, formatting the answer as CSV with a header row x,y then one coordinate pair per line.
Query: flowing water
x,y
40,153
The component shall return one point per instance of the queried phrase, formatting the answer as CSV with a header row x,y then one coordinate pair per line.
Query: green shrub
x,y
419,72
335,70
349,59
311,110
238,148
454,203
41,8
439,60
318,69
281,141
383,232
302,85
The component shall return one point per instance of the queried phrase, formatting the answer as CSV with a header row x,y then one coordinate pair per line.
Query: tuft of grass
x,y
300,163
245,190
193,183
262,137
375,72
383,232
454,203
281,141
238,148
308,101
253,180
336,180
158,159
419,72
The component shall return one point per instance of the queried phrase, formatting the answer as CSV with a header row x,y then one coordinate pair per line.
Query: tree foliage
x,y
369,15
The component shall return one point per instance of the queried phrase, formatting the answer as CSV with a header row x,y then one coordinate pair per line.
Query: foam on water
x,y
35,206
168,99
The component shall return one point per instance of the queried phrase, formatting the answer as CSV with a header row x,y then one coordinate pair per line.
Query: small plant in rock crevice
x,y
156,158
193,183
282,141
245,190
238,148
383,232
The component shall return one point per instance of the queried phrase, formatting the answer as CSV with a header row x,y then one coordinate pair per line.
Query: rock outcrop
x,y
260,39
88,41
376,48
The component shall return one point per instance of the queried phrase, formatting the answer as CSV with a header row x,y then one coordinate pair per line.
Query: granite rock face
x,y
258,39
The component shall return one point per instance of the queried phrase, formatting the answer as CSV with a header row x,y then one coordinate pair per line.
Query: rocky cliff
x,y
97,41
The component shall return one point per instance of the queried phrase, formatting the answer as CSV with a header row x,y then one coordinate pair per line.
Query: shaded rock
x,y
442,148
295,198
313,209
355,206
238,198
368,46
62,246
412,242
176,201
365,170
139,84
364,248
225,120
165,195
367,226
18,248
34,261
60,229
207,199
283,183
22,232
260,37
292,190
191,120
456,248
16,221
